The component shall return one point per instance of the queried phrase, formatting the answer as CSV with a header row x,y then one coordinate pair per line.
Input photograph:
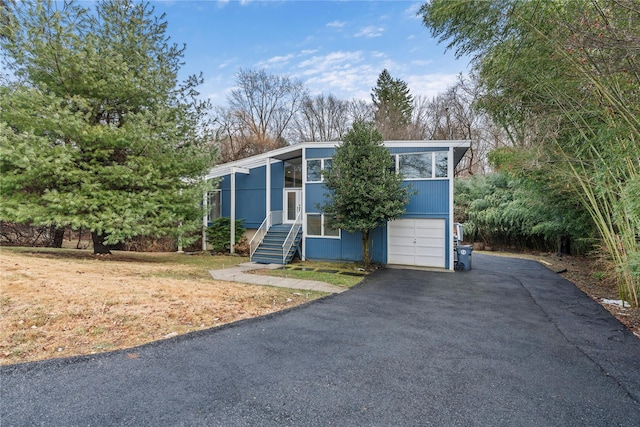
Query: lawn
x,y
67,302
345,274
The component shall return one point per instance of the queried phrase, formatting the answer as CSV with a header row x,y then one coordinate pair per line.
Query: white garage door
x,y
418,242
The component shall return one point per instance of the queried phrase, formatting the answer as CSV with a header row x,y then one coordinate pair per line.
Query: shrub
x,y
219,233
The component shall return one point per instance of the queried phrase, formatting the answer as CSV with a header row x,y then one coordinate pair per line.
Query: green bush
x,y
513,212
219,233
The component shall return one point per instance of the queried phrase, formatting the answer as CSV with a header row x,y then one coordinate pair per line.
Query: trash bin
x,y
464,257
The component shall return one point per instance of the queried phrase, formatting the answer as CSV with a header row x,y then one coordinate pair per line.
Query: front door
x,y
292,204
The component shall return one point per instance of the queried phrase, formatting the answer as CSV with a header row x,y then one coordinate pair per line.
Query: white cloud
x,y
276,61
331,61
370,32
227,63
345,74
222,3
215,89
336,24
422,62
430,85
412,11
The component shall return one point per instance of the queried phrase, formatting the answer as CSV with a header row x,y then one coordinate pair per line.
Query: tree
x,y
359,110
498,209
260,111
454,114
95,130
393,105
321,118
561,78
364,190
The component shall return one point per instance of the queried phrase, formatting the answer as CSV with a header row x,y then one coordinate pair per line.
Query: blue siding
x,y
251,194
351,246
322,248
250,197
277,185
320,153
314,196
348,248
225,196
379,245
432,198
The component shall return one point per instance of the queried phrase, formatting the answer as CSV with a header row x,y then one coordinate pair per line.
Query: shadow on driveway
x,y
508,343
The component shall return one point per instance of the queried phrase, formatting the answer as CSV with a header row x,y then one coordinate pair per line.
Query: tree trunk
x,y
366,256
564,245
99,247
58,237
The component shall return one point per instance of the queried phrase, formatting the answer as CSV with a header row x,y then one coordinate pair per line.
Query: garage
x,y
417,241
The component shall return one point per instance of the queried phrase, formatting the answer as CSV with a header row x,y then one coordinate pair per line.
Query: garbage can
x,y
464,257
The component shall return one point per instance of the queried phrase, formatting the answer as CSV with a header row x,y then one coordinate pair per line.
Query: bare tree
x,y
321,118
260,111
454,115
359,110
424,118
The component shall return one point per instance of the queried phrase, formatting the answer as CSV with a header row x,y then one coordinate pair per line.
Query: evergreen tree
x,y
393,105
365,192
95,131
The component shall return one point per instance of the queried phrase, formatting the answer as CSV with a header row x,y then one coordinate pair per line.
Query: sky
x,y
334,47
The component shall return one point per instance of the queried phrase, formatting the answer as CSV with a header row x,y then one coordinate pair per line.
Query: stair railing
x,y
273,217
291,237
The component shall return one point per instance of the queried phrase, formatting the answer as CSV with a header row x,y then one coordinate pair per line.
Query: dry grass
x,y
68,302
59,303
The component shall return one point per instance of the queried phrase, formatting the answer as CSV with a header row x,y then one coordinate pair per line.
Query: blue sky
x,y
334,47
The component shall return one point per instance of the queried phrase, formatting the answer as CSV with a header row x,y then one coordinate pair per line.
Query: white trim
x,y
245,171
260,159
450,175
322,227
268,186
232,222
433,154
205,223
303,211
285,203
322,161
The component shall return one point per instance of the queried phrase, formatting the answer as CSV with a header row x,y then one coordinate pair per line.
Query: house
x,y
278,194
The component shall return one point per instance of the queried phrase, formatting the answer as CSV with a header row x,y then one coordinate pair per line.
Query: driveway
x,y
508,343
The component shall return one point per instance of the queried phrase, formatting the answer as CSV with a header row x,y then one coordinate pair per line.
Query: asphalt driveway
x,y
508,343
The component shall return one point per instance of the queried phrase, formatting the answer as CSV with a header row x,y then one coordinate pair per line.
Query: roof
x,y
291,151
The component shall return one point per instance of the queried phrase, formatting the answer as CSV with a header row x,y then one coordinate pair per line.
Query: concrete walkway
x,y
239,274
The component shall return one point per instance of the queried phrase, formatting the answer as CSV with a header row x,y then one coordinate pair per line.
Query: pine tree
x,y
95,131
393,105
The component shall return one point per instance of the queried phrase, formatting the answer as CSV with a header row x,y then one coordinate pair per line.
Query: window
x,y
441,161
315,168
293,173
318,226
423,165
414,166
214,207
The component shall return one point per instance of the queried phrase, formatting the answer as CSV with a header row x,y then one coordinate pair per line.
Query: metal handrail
x,y
273,217
291,237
